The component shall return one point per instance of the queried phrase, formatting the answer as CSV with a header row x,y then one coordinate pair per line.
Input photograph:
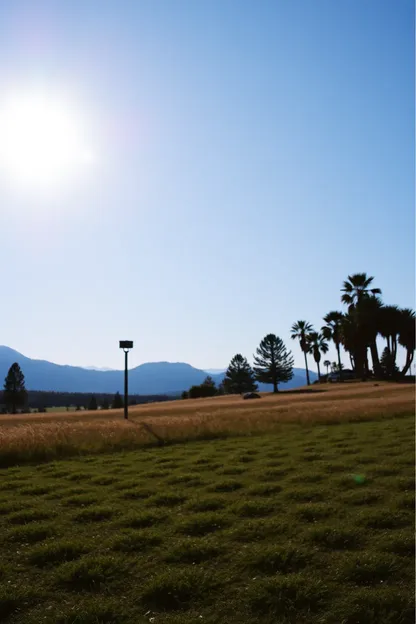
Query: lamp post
x,y
126,345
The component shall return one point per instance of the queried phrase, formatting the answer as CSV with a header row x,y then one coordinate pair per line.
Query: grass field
x,y
305,522
40,437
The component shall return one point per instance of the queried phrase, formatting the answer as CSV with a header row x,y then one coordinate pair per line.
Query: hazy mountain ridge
x,y
149,378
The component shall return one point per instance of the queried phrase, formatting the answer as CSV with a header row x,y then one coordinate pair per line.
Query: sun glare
x,y
42,140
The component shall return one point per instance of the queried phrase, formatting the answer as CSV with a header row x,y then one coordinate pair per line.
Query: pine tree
x,y
388,365
118,402
221,389
105,404
239,377
15,394
273,364
206,389
92,405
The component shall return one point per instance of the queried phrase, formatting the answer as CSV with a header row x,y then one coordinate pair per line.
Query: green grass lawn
x,y
312,524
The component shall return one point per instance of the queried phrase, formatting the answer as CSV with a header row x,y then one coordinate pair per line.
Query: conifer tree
x,y
273,364
239,377
14,394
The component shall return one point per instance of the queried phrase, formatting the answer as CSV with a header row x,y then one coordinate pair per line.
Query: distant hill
x,y
150,378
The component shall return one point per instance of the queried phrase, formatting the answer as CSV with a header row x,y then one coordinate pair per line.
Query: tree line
x,y
15,396
355,331
273,364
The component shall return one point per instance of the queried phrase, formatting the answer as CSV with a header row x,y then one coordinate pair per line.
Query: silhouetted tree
x,y
389,322
118,402
221,389
388,364
359,326
206,389
317,345
273,364
92,405
407,337
239,377
356,288
333,331
14,394
327,364
184,395
300,331
209,382
105,404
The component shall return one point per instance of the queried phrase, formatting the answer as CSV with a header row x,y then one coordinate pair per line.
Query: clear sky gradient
x,y
249,156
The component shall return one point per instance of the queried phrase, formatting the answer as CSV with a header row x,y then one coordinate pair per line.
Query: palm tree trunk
x,y
307,371
394,347
339,361
408,363
359,358
375,359
366,366
319,372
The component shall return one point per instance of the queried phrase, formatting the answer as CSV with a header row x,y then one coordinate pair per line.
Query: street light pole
x,y
126,385
126,345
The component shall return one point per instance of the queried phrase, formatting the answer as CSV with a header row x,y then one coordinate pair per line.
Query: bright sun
x,y
42,140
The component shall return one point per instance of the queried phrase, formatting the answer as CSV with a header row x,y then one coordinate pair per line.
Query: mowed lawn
x,y
312,523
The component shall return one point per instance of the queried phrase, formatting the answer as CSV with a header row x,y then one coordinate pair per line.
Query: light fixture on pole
x,y
126,345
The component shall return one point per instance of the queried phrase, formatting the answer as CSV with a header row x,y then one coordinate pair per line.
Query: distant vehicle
x,y
346,374
251,395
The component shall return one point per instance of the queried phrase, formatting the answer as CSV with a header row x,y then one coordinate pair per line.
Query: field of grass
x,y
307,522
40,437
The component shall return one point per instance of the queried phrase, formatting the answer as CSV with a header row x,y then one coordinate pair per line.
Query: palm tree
x,y
356,288
300,331
332,331
317,345
363,302
351,343
389,326
327,364
369,317
407,337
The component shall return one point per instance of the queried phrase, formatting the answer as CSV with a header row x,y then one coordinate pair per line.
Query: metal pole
x,y
126,387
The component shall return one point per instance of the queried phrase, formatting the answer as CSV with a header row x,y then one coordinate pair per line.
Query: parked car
x,y
346,375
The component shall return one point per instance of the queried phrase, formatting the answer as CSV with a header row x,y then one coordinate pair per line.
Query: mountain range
x,y
149,378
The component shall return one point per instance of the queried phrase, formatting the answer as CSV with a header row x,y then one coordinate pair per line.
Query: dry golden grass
x,y
30,437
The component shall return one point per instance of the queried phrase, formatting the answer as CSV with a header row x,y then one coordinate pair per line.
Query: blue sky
x,y
249,156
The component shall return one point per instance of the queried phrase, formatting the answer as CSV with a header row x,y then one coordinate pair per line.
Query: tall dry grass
x,y
26,438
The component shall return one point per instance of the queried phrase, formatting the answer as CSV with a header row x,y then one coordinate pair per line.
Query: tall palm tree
x,y
356,288
317,345
327,364
350,340
407,338
357,292
332,331
300,331
369,318
389,327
